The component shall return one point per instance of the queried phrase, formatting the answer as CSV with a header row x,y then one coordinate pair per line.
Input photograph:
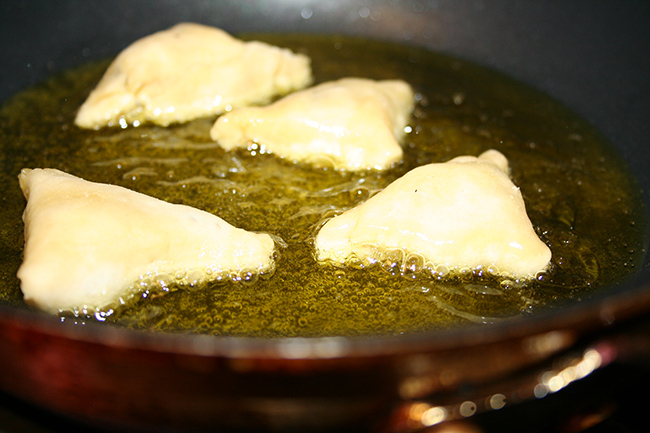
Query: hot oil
x,y
580,199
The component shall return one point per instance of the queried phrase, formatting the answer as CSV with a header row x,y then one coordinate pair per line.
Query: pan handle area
x,y
453,413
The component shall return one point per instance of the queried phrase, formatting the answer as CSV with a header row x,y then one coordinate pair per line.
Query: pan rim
x,y
605,309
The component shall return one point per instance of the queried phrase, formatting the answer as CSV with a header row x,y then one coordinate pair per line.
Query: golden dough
x,y
465,213
87,244
190,71
349,124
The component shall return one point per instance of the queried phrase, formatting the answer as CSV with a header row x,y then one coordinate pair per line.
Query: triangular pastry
x,y
349,124
462,214
88,244
190,71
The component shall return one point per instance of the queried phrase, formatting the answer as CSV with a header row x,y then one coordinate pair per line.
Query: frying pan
x,y
590,55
